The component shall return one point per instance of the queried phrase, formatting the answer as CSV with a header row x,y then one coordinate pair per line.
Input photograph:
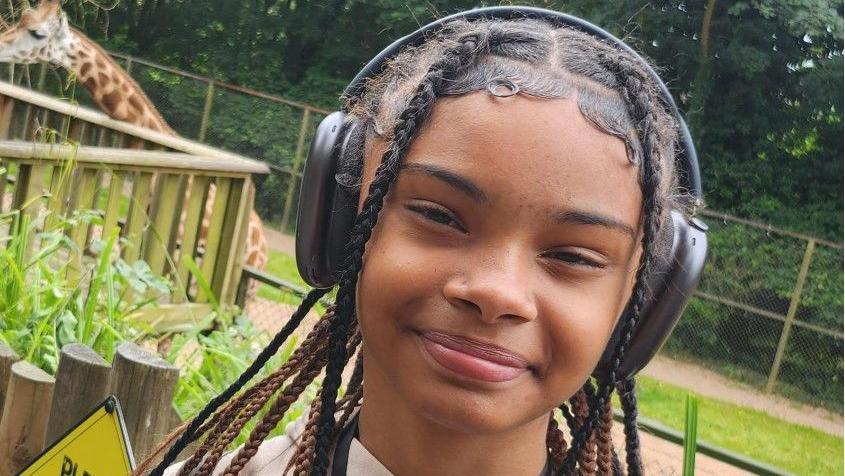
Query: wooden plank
x,y
7,105
7,357
29,189
191,230
25,413
60,188
113,201
83,199
137,216
132,158
144,384
157,241
82,383
215,229
77,130
4,173
237,252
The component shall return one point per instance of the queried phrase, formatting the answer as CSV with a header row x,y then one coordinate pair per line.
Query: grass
x,y
743,430
753,433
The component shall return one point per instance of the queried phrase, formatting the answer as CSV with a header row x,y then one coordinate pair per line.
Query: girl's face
x,y
504,255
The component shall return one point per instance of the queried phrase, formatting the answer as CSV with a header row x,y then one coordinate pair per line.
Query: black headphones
x,y
327,211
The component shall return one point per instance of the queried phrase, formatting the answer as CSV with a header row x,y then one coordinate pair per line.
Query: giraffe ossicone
x,y
43,35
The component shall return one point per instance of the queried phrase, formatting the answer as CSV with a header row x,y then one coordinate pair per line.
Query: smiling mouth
x,y
472,359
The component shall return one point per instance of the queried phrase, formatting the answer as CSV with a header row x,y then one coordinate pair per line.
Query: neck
x,y
408,443
111,87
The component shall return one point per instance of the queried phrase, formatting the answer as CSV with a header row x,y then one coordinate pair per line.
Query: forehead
x,y
542,151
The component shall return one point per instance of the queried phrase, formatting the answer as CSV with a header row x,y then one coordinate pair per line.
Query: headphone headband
x,y
691,177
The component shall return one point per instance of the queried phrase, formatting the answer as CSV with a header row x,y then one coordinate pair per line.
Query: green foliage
x,y
690,435
42,309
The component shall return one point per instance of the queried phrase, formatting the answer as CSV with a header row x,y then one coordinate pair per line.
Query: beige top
x,y
273,455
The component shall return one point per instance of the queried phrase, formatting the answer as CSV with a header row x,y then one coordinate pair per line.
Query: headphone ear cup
x,y
668,289
319,202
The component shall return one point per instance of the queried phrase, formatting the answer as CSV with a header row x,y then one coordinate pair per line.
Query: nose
x,y
495,287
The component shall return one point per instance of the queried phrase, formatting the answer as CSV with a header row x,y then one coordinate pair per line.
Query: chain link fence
x,y
768,311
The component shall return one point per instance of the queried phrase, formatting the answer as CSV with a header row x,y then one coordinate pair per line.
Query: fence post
x,y
24,423
206,111
297,159
7,358
144,385
82,382
790,314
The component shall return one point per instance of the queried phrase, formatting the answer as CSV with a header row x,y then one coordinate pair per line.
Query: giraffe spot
x,y
136,102
100,63
90,82
132,117
101,76
84,69
111,101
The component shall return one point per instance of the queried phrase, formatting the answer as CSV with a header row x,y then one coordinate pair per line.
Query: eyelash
x,y
579,260
437,215
443,217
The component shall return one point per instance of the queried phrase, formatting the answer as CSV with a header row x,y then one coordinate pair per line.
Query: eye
x,y
437,214
575,258
37,34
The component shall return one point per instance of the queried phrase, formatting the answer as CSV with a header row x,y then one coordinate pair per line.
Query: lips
x,y
473,359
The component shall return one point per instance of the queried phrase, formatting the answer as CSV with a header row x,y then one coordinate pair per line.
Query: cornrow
x,y
410,123
628,398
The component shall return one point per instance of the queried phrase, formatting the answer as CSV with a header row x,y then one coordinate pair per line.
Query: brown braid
x,y
604,442
220,426
280,406
556,442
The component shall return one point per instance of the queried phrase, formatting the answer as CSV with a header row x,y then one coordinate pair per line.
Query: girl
x,y
517,179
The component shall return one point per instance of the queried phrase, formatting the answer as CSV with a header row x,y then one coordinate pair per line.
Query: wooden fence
x,y
37,409
157,198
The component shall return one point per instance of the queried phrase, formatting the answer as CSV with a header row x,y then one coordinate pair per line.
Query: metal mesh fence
x,y
768,311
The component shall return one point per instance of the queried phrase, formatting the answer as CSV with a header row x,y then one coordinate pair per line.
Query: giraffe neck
x,y
112,88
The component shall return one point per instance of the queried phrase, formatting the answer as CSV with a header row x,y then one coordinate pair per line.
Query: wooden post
x,y
206,111
144,385
25,413
82,383
790,314
297,159
7,358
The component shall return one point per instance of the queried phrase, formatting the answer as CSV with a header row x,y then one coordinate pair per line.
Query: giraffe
x,y
43,34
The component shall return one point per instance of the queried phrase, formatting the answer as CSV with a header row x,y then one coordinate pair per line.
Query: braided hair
x,y
614,92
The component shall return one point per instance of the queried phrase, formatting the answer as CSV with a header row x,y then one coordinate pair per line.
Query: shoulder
x,y
271,459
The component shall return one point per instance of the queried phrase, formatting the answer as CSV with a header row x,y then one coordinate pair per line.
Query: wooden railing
x,y
158,199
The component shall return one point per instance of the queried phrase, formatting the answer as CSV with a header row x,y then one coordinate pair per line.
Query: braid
x,y
628,398
409,124
252,400
637,94
189,434
603,441
555,441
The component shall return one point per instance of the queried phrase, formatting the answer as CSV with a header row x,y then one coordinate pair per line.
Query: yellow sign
x,y
96,446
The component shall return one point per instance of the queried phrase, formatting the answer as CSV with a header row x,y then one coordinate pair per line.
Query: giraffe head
x,y
41,35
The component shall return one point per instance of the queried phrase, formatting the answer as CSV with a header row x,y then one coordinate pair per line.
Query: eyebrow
x,y
454,180
581,217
